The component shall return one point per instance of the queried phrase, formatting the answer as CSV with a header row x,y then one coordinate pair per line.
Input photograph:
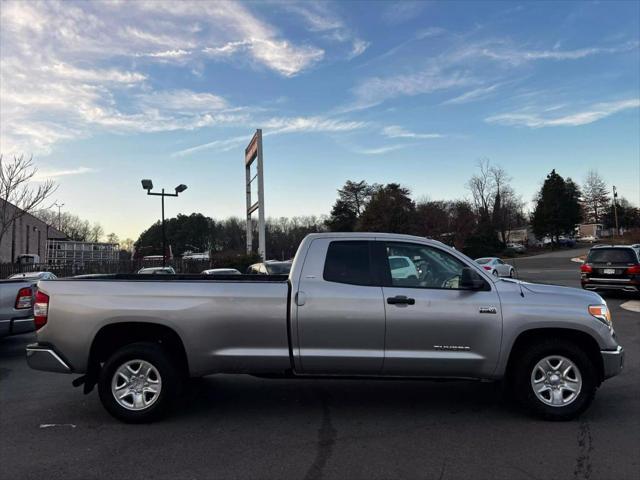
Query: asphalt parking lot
x,y
244,427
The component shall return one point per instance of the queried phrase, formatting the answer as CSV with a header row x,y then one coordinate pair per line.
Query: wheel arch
x,y
578,337
112,337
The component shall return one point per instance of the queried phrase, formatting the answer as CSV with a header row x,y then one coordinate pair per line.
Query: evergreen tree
x,y
557,209
389,210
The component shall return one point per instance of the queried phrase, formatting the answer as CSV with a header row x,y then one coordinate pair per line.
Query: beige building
x,y
26,235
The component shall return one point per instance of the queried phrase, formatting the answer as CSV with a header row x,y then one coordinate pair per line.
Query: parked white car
x,y
402,267
221,271
496,267
157,271
588,239
516,247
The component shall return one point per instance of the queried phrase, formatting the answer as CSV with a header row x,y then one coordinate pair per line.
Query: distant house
x,y
26,236
524,236
590,230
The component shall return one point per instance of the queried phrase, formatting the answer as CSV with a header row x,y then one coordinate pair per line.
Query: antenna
x,y
515,266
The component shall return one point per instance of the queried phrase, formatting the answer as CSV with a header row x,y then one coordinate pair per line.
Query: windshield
x,y
482,261
27,275
612,255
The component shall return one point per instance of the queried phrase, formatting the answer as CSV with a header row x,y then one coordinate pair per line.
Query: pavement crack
x,y
583,468
326,441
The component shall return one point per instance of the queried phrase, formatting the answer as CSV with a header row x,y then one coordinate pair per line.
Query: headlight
x,y
602,313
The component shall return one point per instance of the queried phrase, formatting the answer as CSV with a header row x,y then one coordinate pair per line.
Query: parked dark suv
x,y
612,267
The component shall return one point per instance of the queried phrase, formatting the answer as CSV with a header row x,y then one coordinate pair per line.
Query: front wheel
x,y
138,383
555,380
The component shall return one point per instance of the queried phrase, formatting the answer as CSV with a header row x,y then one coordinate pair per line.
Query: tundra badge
x,y
491,309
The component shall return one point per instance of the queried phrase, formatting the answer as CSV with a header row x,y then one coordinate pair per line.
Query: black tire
x,y
495,273
520,379
155,355
511,273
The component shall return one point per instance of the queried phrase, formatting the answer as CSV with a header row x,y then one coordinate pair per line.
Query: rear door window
x,y
612,255
348,262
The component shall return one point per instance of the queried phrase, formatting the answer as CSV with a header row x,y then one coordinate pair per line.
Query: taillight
x,y
633,270
486,267
586,268
41,309
24,299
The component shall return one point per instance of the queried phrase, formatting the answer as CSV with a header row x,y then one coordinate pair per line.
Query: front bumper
x,y
612,361
41,357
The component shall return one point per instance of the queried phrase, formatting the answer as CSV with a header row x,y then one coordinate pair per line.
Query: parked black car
x,y
612,267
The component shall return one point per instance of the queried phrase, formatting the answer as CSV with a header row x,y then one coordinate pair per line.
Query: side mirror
x,y
470,280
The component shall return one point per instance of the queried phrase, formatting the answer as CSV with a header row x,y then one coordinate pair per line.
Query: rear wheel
x,y
495,273
138,383
555,380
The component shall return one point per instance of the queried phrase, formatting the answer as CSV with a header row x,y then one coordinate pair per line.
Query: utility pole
x,y
59,205
615,208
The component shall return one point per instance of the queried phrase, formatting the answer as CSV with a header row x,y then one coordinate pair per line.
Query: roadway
x,y
244,427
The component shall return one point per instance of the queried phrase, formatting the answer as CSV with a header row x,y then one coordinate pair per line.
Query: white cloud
x,y
517,56
473,95
169,54
376,90
310,124
380,150
322,18
62,74
541,118
47,174
279,126
396,131
401,12
358,48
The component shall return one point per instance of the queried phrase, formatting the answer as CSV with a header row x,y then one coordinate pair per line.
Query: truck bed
x,y
232,323
194,277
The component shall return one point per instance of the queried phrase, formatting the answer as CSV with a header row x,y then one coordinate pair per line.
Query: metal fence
x,y
72,269
221,260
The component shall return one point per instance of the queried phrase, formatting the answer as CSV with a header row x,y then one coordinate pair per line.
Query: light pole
x,y
615,208
59,205
148,186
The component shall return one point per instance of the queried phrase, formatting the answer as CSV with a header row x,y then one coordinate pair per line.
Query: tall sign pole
x,y
253,154
615,208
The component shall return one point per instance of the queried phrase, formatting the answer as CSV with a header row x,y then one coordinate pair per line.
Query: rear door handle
x,y
401,300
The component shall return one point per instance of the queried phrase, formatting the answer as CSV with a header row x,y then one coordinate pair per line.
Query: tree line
x,y
478,225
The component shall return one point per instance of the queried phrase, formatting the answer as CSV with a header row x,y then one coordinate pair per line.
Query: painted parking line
x,y
632,306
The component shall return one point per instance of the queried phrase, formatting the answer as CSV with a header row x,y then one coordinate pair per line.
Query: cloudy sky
x,y
103,94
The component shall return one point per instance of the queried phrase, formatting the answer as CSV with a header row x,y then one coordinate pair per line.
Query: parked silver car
x,y
340,312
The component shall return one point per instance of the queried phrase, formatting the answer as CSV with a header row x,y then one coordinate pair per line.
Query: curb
x,y
632,306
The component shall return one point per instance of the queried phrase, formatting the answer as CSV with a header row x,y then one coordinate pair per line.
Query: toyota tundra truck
x,y
343,311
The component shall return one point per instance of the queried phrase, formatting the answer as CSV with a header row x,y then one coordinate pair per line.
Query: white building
x,y
63,252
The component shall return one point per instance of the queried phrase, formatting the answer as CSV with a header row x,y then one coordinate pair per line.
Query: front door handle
x,y
300,299
401,300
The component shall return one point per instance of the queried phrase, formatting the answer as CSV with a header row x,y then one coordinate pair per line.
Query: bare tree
x,y
17,188
482,188
595,196
96,233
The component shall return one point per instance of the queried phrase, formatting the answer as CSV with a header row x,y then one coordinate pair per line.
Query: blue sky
x,y
103,94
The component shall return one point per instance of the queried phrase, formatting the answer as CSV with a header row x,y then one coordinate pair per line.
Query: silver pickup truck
x,y
354,305
16,302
